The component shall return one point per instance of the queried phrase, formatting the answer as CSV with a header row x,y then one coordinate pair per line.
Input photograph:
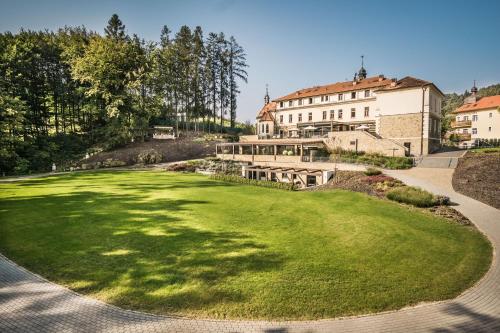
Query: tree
x,y
237,65
115,28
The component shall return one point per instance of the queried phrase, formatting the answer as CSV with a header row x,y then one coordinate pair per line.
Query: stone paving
x,y
29,303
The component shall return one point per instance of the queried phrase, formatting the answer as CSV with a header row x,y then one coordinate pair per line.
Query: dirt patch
x,y
478,176
168,150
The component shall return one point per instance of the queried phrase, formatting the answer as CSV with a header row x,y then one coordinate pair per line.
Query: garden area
x,y
191,245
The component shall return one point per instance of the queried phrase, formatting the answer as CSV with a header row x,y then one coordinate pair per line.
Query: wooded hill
x,y
64,91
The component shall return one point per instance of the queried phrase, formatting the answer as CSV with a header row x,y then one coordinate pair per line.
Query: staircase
x,y
437,162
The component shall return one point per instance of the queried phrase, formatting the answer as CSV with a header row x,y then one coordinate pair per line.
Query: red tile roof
x,y
483,103
379,82
371,82
265,112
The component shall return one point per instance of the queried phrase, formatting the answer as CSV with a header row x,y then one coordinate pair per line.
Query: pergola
x,y
296,174
269,147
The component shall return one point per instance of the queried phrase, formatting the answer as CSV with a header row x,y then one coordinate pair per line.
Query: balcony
x,y
461,123
464,136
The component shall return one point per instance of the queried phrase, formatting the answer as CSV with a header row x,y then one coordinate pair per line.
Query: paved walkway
x,y
28,303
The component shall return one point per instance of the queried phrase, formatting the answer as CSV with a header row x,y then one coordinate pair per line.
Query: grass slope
x,y
185,244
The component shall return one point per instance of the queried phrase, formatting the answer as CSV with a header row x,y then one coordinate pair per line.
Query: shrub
x,y
372,172
413,196
150,156
388,162
377,179
263,183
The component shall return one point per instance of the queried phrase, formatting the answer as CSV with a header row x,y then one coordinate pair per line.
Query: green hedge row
x,y
379,160
263,183
413,196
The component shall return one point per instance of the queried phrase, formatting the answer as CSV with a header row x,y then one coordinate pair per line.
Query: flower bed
x,y
263,183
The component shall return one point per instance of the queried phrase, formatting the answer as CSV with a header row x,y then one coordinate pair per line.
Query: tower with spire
x,y
473,97
362,71
266,97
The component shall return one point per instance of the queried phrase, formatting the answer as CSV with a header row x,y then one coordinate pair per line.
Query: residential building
x,y
384,108
477,121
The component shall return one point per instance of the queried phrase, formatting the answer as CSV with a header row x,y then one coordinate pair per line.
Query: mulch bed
x,y
478,176
357,181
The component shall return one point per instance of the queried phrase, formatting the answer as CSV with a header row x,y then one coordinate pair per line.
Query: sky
x,y
297,44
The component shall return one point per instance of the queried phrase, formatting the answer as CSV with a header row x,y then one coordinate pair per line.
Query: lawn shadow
x,y
140,253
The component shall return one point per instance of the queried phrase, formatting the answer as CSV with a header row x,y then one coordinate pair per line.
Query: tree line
x,y
63,91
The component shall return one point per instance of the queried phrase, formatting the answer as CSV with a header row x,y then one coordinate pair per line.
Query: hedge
x,y
263,183
413,196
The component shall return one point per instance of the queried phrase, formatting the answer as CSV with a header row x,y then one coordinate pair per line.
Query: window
x,y
290,103
465,131
340,97
290,118
458,118
474,131
300,101
324,115
491,114
489,128
322,98
353,95
466,118
474,117
281,104
367,111
326,98
340,114
310,100
262,128
367,93
300,117
353,113
310,116
281,118
332,114
267,128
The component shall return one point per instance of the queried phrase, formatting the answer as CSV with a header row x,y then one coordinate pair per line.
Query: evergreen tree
x,y
115,28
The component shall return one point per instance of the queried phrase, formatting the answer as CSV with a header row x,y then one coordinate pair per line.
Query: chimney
x,y
381,77
393,82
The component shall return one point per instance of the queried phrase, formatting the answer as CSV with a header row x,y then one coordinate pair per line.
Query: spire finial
x,y
266,97
474,89
362,70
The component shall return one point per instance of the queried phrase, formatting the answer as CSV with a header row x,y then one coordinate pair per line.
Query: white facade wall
x,y
486,124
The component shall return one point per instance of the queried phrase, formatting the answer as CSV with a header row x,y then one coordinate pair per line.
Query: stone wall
x,y
400,126
364,141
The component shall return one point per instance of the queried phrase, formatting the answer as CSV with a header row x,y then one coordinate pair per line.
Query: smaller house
x,y
477,121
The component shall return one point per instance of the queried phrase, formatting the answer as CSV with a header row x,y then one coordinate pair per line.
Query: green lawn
x,y
185,244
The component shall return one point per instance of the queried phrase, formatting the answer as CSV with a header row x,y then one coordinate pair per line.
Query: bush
x,y
378,179
263,183
388,162
372,172
413,196
150,156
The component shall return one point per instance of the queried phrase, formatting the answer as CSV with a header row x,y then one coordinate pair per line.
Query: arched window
x,y
267,128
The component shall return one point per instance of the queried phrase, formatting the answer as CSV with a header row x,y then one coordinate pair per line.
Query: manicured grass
x,y
186,244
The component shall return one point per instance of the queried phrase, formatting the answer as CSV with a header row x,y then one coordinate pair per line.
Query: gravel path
x,y
29,303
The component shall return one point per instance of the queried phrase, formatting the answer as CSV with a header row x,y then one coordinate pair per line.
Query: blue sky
x,y
296,44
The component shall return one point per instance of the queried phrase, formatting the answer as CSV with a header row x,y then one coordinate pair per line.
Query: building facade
x,y
477,121
388,111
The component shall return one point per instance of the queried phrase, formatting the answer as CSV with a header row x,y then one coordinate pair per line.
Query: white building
x,y
373,114
478,120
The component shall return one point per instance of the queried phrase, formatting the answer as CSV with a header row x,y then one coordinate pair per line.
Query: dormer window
x,y
290,103
340,97
367,93
353,95
281,104
300,101
310,100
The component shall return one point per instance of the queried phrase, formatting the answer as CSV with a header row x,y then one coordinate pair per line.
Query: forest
x,y
64,91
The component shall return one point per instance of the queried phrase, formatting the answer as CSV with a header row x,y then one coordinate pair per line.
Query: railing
x,y
307,158
464,136
461,123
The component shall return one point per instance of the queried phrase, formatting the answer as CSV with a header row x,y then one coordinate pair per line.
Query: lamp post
x,y
424,88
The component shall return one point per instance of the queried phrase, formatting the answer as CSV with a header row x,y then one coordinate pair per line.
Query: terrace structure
x,y
477,121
